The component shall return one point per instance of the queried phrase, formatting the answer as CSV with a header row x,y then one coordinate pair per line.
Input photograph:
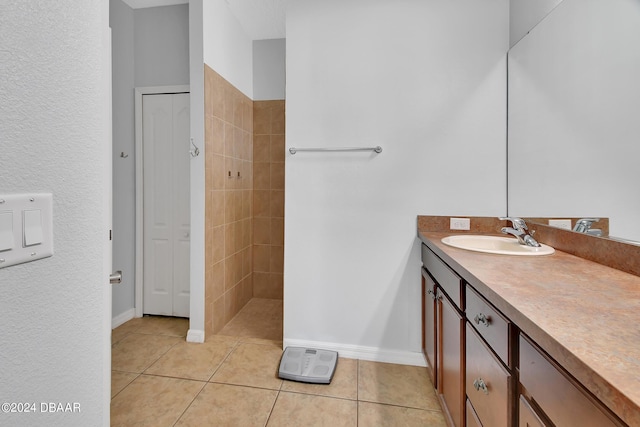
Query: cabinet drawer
x,y
472,417
489,323
527,416
561,398
487,383
446,278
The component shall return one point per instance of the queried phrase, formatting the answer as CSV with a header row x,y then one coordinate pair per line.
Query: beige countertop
x,y
583,314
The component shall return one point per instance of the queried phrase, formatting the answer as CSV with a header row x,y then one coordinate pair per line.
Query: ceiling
x,y
260,19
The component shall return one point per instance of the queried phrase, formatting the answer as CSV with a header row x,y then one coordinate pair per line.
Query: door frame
x,y
139,92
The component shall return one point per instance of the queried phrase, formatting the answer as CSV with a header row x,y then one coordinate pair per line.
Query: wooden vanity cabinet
x,y
560,398
486,371
443,334
429,319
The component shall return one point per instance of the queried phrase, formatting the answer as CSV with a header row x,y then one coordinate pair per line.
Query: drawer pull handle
x,y
482,319
479,384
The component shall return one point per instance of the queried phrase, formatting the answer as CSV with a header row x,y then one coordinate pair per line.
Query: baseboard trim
x,y
373,354
195,335
123,318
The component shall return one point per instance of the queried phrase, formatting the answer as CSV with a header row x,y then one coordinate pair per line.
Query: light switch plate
x,y
6,231
32,227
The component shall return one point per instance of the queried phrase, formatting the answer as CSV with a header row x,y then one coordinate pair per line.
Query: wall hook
x,y
124,156
196,151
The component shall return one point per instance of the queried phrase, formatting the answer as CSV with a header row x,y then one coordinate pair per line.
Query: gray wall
x,y
150,47
269,69
162,45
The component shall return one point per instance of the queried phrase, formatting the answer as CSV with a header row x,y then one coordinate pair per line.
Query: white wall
x,y
426,81
53,126
574,99
227,49
269,69
525,14
150,48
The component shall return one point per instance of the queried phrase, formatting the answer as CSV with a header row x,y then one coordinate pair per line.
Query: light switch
x,y
32,221
6,231
26,227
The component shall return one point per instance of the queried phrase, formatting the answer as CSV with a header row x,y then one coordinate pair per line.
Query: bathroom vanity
x,y
530,341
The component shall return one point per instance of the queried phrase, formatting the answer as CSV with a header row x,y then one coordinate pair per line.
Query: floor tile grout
x,y
234,343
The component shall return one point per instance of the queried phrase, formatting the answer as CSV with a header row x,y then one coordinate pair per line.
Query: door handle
x,y
115,277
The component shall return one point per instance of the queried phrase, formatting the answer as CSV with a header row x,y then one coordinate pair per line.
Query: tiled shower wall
x,y
244,148
229,188
268,198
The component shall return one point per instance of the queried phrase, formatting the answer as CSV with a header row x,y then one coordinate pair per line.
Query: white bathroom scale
x,y
308,365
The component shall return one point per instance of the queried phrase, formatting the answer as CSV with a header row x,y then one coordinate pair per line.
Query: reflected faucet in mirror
x,y
520,230
584,226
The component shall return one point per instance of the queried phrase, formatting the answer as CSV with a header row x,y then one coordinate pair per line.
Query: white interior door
x,y
165,136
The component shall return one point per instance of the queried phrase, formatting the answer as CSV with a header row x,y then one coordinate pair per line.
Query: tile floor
x,y
158,379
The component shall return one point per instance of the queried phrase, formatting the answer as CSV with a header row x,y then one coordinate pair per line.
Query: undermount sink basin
x,y
495,245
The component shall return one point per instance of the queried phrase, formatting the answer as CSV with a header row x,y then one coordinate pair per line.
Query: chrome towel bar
x,y
377,149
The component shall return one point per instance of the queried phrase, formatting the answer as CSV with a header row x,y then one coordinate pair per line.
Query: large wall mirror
x,y
574,115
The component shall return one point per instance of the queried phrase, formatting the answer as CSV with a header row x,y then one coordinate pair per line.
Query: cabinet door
x,y
450,359
429,324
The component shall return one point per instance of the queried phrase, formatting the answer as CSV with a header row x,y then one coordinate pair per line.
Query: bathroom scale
x,y
308,365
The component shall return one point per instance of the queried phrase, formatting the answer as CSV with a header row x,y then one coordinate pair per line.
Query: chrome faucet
x,y
520,230
584,226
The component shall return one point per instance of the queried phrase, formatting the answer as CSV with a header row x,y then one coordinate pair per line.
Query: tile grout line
x,y
190,403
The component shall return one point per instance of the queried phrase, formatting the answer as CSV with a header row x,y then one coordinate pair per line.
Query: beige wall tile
x,y
261,118
261,203
261,176
261,258
262,230
277,203
277,231
218,239
277,148
217,279
277,118
216,208
277,176
262,148
217,137
277,259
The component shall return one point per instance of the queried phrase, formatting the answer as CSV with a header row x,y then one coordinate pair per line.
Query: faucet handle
x,y
518,223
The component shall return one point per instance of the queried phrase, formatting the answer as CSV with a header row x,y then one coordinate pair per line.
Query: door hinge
x,y
110,235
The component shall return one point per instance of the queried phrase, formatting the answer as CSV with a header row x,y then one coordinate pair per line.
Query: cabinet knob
x,y
479,384
432,294
482,319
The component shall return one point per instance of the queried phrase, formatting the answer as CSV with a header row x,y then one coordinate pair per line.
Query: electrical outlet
x,y
459,224
560,223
